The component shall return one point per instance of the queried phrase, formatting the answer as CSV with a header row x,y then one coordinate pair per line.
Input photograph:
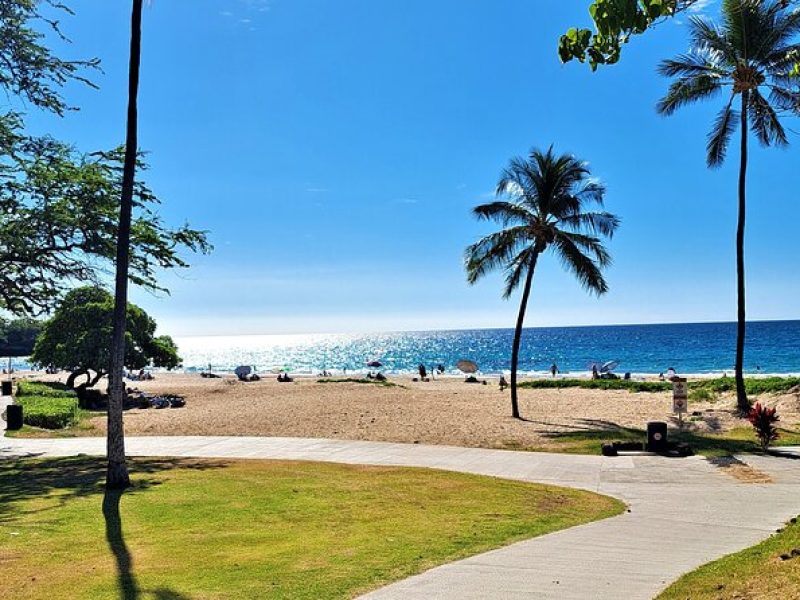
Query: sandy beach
x,y
444,411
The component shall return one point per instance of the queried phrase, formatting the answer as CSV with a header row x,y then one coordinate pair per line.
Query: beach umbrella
x,y
374,364
466,366
609,366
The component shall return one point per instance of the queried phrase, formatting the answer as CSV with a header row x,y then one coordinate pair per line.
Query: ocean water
x,y
692,348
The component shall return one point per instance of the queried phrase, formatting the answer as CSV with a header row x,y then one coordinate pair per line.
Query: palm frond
x,y
687,90
692,64
602,223
766,124
589,244
785,99
582,266
516,270
502,212
720,136
494,251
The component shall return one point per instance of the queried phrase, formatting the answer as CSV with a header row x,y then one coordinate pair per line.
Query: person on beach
x,y
423,372
503,383
671,373
554,369
595,373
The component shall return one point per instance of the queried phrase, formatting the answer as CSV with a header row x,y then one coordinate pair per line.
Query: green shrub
x,y
599,384
701,394
40,388
48,412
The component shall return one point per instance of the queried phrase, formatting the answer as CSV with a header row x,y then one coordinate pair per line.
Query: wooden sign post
x,y
680,398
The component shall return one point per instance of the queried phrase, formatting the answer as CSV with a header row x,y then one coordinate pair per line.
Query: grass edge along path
x,y
766,571
255,528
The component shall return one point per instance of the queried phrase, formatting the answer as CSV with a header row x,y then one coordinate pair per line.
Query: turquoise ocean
x,y
691,348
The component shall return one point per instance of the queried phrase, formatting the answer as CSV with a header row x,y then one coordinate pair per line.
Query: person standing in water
x,y
554,369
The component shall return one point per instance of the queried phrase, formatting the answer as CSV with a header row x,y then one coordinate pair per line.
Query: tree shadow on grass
x,y
66,478
127,585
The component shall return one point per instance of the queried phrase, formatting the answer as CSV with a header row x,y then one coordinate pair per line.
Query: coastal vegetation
x,y
76,339
770,569
544,203
381,382
750,57
47,405
704,389
264,529
616,22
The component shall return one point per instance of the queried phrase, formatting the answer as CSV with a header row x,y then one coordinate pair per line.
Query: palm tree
x,y
752,56
117,471
542,204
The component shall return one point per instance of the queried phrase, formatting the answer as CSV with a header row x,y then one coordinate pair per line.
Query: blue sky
x,y
335,148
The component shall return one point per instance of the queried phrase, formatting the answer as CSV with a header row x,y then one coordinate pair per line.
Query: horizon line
x,y
453,329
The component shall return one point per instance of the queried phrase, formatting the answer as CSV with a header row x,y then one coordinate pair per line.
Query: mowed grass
x,y
739,440
757,573
256,529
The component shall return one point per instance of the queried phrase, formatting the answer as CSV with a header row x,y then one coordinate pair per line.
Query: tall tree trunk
x,y
742,402
523,305
117,472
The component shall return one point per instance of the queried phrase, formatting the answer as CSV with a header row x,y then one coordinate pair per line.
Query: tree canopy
x,y
76,337
28,68
17,336
615,21
58,221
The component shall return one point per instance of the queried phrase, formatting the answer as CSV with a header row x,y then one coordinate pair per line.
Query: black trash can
x,y
657,436
14,417
6,387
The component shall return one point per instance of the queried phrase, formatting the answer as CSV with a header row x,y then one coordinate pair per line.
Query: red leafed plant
x,y
763,420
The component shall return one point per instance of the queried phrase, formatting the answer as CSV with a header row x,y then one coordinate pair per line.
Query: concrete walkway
x,y
683,512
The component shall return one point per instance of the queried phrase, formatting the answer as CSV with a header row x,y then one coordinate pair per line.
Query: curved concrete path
x,y
683,512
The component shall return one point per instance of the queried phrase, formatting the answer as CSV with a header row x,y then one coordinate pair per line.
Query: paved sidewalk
x,y
683,512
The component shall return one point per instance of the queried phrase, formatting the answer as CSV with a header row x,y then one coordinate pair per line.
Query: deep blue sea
x,y
692,348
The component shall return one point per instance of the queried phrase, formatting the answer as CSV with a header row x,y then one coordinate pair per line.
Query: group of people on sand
x,y
142,375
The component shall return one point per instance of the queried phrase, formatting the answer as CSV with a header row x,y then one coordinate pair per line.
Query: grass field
x,y
758,573
255,529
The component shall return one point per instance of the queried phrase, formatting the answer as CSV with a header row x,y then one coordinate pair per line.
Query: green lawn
x,y
758,573
256,529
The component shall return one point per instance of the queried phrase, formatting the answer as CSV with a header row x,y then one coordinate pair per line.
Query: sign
x,y
680,395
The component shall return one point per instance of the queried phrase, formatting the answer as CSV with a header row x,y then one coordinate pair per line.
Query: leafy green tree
x,y
17,336
28,68
76,338
748,59
615,21
117,471
543,206
59,222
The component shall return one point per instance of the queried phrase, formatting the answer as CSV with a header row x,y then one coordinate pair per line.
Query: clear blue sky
x,y
334,149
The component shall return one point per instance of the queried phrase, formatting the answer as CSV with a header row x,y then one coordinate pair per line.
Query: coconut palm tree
x,y
542,205
750,59
117,471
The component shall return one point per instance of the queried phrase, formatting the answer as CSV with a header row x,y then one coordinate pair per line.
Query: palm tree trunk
x,y
742,403
117,472
523,305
